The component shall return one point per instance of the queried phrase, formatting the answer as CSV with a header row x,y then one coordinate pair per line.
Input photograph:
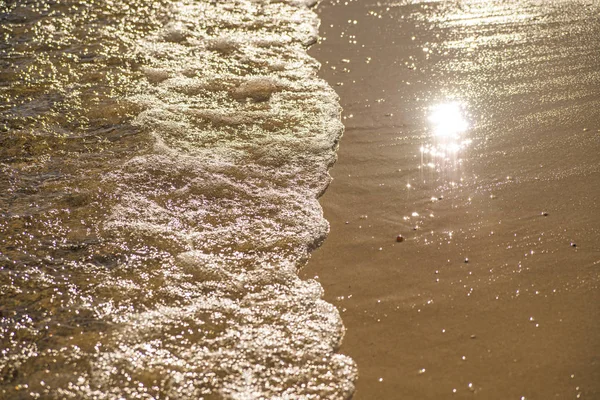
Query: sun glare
x,y
448,127
448,121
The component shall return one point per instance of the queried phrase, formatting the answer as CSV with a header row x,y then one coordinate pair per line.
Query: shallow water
x,y
472,130
161,164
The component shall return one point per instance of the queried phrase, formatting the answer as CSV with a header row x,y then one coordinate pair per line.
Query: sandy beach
x,y
161,164
473,133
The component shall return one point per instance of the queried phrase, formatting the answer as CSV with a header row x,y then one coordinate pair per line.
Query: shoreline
x,y
493,290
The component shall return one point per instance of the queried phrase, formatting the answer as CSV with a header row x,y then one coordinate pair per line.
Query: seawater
x,y
160,164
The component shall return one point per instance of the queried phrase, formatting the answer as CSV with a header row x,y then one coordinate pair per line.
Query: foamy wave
x,y
244,134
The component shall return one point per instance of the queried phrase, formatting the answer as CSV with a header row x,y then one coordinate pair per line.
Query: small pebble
x,y
545,214
473,336
466,260
573,244
399,238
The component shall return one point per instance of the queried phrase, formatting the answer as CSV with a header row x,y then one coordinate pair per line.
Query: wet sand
x,y
493,291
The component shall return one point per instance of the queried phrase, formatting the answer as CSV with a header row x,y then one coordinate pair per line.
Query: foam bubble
x,y
257,88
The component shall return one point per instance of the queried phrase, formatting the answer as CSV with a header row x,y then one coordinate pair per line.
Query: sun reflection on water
x,y
448,120
448,125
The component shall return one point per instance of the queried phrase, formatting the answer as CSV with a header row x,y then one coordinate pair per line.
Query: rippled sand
x,y
472,130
